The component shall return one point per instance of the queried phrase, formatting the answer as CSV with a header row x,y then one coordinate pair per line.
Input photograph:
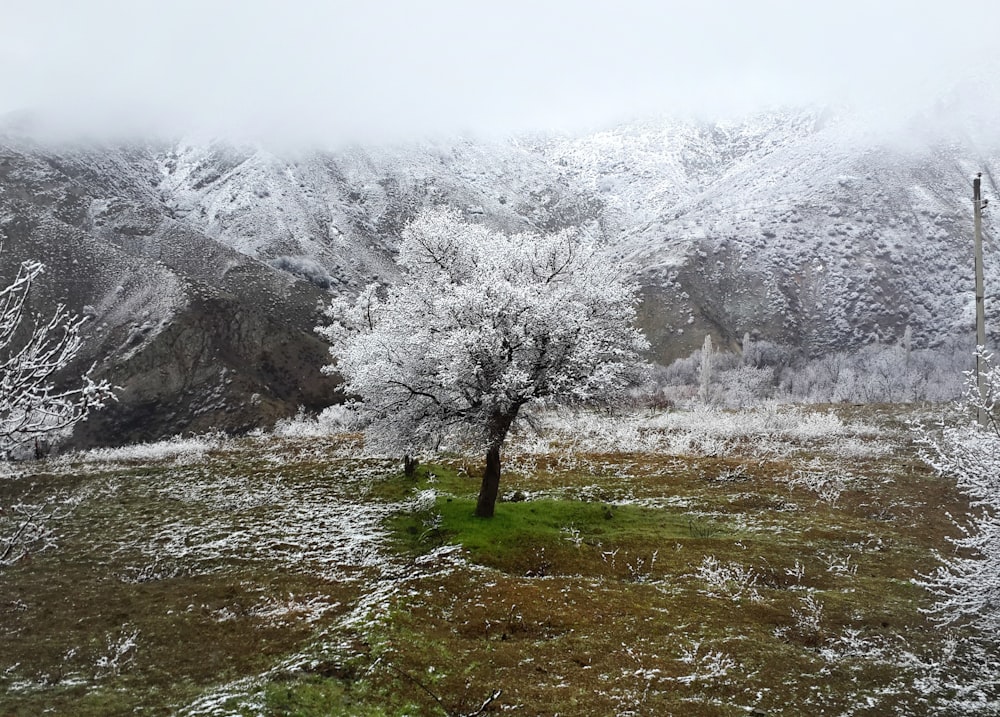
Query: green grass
x,y
544,536
550,522
314,694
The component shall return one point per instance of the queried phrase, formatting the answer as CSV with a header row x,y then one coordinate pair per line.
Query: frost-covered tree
x,y
745,386
705,375
34,355
967,583
481,325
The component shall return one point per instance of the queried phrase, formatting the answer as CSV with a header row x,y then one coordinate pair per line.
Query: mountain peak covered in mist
x,y
204,263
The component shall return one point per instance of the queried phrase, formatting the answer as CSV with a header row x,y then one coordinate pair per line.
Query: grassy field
x,y
682,564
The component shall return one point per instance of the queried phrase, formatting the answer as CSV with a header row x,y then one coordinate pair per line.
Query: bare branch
x,y
30,403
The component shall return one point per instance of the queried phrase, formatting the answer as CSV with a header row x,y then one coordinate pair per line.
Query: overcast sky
x,y
393,69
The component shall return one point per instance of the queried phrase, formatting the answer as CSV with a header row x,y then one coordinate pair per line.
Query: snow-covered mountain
x,y
204,264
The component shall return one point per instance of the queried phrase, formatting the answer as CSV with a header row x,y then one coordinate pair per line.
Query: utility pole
x,y
977,205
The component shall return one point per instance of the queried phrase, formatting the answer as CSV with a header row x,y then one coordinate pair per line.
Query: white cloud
x,y
394,68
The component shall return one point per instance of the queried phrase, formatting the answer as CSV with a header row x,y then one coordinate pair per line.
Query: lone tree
x,y
482,324
34,352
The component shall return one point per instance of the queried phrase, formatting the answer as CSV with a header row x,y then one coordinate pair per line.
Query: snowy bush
x,y
120,652
27,524
827,486
707,666
179,448
330,421
730,581
771,430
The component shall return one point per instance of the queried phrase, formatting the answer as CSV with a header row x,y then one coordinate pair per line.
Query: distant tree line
x,y
767,371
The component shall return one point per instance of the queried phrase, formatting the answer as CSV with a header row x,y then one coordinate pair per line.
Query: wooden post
x,y
977,205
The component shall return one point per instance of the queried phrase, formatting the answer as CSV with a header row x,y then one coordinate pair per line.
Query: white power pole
x,y
977,205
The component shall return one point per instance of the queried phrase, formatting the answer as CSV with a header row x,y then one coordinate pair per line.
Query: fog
x,y
392,69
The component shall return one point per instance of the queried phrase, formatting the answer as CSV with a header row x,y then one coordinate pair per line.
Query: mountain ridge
x,y
807,228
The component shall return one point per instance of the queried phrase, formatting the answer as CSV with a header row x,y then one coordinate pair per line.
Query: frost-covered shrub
x,y
120,652
682,372
771,420
179,448
330,421
731,581
706,666
719,378
24,528
851,447
699,376
827,486
767,354
771,430
877,374
967,581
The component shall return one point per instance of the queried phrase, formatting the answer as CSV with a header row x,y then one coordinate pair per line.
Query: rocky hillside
x,y
196,334
204,265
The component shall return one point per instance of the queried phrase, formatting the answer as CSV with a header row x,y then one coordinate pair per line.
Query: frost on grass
x,y
282,611
322,525
952,678
239,697
150,572
394,578
301,525
311,505
29,524
180,449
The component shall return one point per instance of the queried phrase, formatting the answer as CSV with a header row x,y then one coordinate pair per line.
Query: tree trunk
x,y
491,484
498,426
